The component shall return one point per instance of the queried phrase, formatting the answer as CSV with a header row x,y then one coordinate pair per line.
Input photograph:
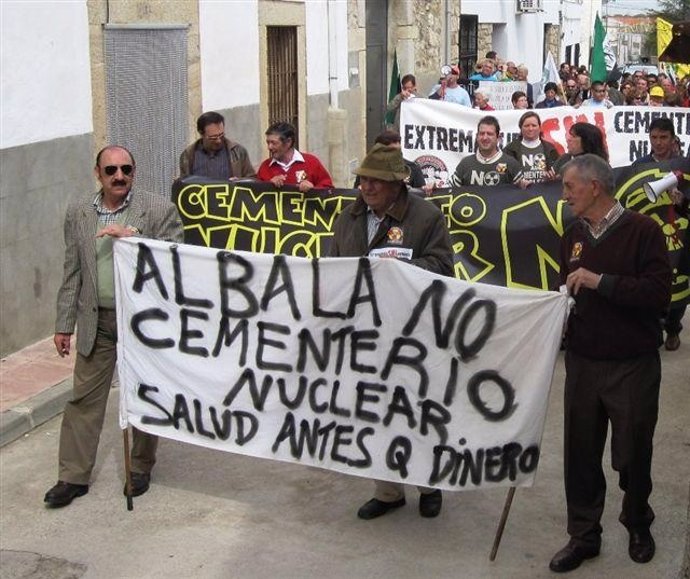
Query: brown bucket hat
x,y
384,162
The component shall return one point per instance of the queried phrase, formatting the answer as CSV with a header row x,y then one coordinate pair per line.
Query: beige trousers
x,y
389,492
82,421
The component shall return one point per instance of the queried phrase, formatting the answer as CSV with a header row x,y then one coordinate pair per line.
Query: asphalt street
x,y
216,515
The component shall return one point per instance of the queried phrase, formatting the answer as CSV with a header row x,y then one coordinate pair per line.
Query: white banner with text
x,y
367,366
437,134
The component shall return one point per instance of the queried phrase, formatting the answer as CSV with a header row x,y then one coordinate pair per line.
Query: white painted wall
x,y
45,76
316,16
518,37
571,24
589,13
229,53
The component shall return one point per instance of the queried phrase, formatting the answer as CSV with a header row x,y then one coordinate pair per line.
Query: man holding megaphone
x,y
664,144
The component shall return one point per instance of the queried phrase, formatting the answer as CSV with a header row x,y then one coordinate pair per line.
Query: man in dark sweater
x,y
615,264
662,138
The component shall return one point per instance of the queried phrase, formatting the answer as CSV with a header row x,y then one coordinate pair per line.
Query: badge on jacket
x,y
576,252
395,235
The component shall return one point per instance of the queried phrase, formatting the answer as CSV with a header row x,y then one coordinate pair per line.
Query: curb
x,y
26,416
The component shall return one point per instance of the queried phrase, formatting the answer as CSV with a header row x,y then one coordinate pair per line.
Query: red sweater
x,y
310,169
620,319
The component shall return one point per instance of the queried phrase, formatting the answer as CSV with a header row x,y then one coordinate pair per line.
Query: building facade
x,y
78,75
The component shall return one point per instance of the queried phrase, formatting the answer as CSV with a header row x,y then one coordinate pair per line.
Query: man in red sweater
x,y
287,165
615,264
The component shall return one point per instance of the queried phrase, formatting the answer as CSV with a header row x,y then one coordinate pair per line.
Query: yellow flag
x,y
664,34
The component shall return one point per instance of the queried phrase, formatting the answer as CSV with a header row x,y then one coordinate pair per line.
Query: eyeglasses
x,y
216,137
110,170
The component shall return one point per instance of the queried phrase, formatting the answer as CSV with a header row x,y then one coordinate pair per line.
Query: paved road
x,y
217,515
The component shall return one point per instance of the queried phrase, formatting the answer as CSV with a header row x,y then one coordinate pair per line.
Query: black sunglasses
x,y
110,170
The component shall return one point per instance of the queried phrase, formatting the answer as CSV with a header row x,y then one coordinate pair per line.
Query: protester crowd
x,y
620,297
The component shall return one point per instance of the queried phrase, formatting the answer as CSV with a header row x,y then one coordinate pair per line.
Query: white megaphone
x,y
655,188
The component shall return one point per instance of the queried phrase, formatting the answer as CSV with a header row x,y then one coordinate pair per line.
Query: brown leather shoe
x,y
63,493
672,342
641,547
376,508
430,504
141,481
571,556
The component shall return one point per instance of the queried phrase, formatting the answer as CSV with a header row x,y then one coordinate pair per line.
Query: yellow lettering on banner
x,y
542,258
472,267
467,209
237,216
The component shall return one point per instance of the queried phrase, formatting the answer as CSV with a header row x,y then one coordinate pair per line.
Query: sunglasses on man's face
x,y
110,170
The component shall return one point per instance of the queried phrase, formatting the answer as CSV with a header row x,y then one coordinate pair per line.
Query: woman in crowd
x,y
408,85
536,155
583,138
634,97
519,100
481,101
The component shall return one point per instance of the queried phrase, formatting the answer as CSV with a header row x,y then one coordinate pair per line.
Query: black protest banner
x,y
501,235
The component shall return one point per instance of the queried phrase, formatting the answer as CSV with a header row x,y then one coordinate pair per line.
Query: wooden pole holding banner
x,y
502,523
128,470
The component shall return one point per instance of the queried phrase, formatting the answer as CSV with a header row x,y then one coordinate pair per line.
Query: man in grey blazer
x,y
87,299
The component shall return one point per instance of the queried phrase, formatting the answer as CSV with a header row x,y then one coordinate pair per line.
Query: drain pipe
x,y
447,59
337,118
332,55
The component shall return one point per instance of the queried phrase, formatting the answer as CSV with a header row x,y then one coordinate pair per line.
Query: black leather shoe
x,y
672,342
63,493
641,547
570,557
140,483
430,504
375,508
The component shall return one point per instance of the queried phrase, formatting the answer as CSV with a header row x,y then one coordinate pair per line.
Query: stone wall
x,y
484,41
552,40
429,48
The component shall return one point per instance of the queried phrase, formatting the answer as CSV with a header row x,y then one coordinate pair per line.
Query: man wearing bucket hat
x,y
387,220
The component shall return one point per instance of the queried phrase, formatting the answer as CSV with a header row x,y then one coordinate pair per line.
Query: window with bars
x,y
468,43
282,75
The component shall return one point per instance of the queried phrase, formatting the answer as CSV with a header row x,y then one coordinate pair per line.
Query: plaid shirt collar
x,y
109,216
609,219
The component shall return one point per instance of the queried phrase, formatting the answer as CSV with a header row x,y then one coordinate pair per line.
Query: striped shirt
x,y
373,224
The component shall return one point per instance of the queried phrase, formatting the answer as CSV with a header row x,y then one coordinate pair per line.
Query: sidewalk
x,y
35,383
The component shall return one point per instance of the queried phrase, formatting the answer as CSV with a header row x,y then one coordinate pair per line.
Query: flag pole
x,y
502,523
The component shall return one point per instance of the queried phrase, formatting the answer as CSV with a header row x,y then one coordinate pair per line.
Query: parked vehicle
x,y
645,67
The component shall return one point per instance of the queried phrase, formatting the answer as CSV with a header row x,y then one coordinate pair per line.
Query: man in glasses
x,y
599,97
387,221
572,92
86,299
213,155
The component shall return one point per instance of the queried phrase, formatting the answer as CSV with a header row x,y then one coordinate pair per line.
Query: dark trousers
x,y
672,320
82,421
626,394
